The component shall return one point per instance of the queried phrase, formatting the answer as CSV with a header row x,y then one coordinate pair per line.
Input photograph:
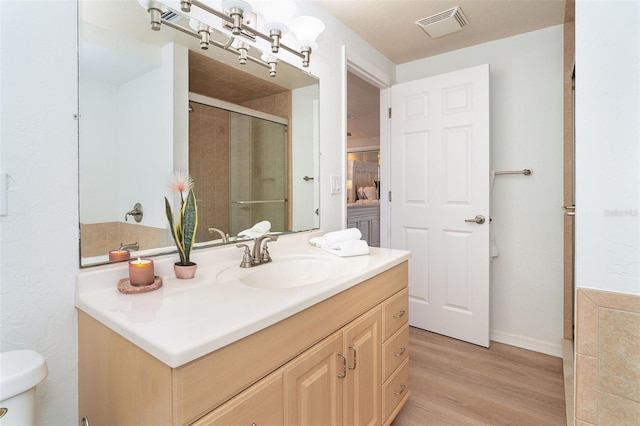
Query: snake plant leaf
x,y
175,231
189,222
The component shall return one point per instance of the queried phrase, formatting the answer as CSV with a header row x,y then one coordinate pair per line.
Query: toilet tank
x,y
20,372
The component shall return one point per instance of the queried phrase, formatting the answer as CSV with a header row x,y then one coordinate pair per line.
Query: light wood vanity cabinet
x,y
261,405
395,355
287,374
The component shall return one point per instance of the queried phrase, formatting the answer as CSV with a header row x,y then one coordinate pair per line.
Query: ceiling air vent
x,y
443,23
170,16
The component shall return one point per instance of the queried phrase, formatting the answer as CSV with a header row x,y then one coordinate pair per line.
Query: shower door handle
x,y
479,219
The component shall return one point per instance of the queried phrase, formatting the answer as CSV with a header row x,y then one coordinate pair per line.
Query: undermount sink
x,y
285,272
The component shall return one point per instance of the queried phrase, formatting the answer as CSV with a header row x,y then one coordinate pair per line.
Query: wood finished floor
x,y
457,383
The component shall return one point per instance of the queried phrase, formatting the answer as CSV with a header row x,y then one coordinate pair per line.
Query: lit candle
x,y
116,255
141,272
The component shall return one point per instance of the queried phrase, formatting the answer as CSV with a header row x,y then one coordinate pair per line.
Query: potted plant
x,y
183,230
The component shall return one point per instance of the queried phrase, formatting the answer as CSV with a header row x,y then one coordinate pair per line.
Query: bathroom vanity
x,y
215,350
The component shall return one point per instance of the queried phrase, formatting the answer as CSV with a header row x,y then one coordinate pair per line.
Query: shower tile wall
x,y
607,358
209,167
99,238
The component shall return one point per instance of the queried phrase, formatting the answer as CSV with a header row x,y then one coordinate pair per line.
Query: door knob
x,y
479,219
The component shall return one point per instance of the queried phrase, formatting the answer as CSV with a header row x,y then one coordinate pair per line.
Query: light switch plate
x,y
335,184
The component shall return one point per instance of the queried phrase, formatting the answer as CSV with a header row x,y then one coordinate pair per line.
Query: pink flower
x,y
181,182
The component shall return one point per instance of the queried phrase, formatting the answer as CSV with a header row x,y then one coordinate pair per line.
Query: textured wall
x,y
607,148
39,237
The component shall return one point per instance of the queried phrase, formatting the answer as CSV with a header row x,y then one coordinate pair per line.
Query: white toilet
x,y
20,372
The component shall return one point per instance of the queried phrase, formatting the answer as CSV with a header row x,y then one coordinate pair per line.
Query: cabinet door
x,y
261,405
313,390
362,347
363,226
374,228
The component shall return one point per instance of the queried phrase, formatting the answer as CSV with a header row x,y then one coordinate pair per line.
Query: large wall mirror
x,y
153,102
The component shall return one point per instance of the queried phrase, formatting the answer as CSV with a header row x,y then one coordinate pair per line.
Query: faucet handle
x,y
247,261
264,255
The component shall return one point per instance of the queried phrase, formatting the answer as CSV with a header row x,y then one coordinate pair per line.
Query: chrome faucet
x,y
260,252
136,213
225,237
134,246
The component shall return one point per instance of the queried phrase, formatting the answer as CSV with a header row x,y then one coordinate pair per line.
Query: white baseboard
x,y
528,343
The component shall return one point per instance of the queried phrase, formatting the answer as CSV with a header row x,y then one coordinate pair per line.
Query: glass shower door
x,y
258,163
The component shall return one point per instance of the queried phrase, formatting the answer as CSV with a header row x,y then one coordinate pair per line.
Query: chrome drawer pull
x,y
400,315
402,351
401,391
344,366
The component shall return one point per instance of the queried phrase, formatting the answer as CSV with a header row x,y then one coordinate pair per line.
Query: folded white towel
x,y
348,248
331,238
257,230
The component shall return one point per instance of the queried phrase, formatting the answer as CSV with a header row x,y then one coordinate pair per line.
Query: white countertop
x,y
186,319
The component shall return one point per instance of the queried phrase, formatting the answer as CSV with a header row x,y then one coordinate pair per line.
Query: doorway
x,y
363,158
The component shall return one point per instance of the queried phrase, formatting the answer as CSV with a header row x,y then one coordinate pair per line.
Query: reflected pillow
x,y
361,195
370,193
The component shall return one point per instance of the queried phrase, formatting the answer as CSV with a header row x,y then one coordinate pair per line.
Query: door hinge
x,y
389,196
390,113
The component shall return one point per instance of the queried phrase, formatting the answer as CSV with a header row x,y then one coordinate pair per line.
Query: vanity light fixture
x,y
204,31
273,63
278,22
243,48
236,9
276,15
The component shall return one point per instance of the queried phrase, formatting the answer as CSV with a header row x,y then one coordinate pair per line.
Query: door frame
x,y
568,182
380,79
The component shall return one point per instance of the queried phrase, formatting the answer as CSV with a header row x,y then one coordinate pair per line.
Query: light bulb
x,y
307,29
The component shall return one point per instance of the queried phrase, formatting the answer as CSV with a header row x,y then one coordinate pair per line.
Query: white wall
x,y
146,150
99,113
526,132
329,63
39,237
608,146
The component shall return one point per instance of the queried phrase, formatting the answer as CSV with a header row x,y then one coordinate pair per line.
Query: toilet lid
x,y
20,371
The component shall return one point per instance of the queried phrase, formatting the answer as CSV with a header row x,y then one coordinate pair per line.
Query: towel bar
x,y
526,172
258,201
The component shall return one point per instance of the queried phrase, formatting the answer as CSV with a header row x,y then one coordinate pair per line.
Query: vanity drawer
x,y
395,313
261,404
395,351
395,391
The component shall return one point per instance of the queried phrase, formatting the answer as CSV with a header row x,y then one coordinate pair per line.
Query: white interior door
x,y
440,185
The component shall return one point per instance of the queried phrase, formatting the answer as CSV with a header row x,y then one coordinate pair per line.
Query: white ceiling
x,y
389,26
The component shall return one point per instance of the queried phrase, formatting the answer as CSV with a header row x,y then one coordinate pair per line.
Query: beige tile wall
x,y
209,167
99,238
607,358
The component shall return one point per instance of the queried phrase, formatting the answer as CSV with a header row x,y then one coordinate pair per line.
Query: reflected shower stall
x,y
239,164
